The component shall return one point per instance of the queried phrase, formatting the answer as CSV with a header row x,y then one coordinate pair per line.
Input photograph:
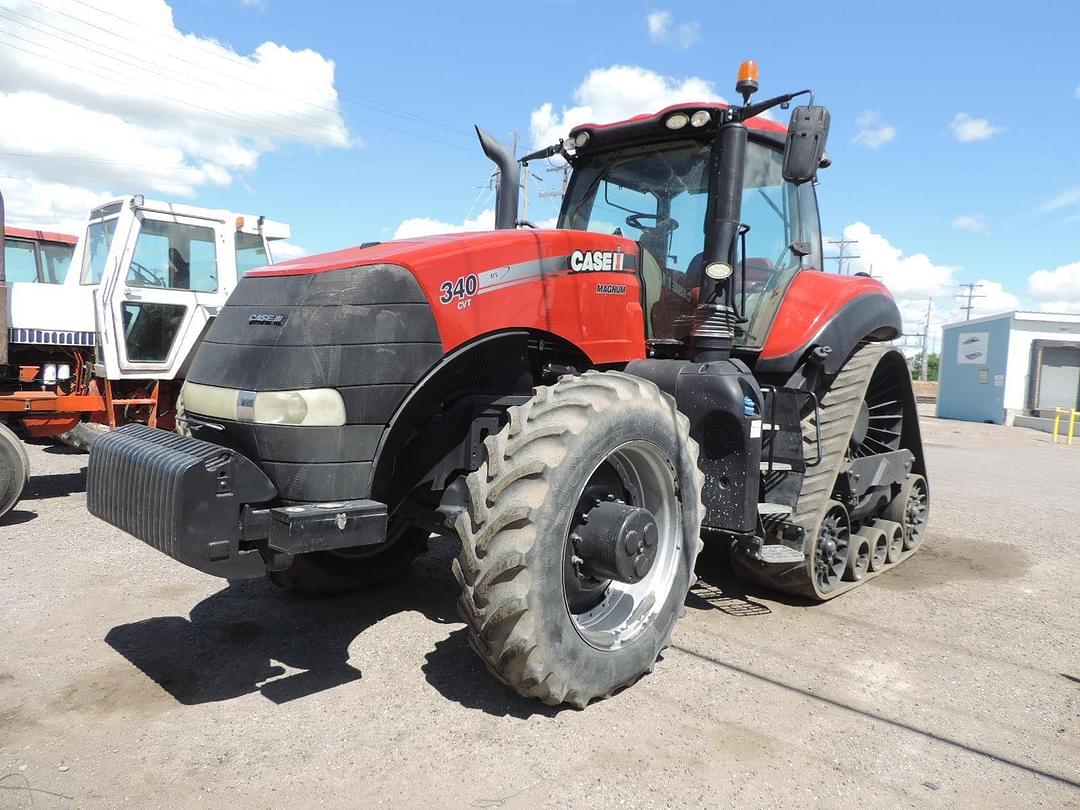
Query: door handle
x,y
133,295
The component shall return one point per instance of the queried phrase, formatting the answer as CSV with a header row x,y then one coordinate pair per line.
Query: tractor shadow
x,y
58,485
719,588
253,637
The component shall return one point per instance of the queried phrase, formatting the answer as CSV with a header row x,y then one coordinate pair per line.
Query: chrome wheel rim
x,y
624,611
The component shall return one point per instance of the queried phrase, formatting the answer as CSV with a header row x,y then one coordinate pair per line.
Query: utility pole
x,y
925,365
841,258
971,288
565,169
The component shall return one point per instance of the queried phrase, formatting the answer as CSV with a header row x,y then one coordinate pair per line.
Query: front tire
x,y
14,470
539,616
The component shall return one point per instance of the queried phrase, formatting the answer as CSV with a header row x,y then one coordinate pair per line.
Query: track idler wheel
x,y
910,509
894,533
831,549
879,546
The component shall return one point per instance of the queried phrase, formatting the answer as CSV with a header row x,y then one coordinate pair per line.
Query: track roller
x,y
894,533
879,546
859,555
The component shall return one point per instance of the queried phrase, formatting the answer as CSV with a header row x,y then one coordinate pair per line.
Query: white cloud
x,y
1068,197
872,131
663,30
995,298
972,223
424,226
283,250
1057,290
967,128
612,94
913,276
115,99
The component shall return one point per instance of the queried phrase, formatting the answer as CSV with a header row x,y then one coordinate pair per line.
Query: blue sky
x,y
900,69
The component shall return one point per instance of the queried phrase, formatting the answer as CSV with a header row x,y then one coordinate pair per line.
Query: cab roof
x,y
40,236
649,127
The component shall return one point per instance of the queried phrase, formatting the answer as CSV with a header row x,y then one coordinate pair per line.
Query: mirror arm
x,y
751,110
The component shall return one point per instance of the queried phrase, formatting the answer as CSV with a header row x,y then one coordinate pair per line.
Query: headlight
x,y
581,139
700,118
312,407
48,374
677,120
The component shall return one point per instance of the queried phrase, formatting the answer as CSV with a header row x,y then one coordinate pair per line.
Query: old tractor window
x,y
20,261
55,260
99,236
150,329
250,252
174,255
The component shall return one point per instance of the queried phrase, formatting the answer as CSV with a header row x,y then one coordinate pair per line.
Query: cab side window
x,y
20,261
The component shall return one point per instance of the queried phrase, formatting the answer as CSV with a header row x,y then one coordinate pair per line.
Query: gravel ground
x,y
952,681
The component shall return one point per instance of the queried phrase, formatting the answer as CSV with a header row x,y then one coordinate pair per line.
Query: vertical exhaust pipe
x,y
506,197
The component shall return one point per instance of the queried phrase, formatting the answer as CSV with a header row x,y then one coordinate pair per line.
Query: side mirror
x,y
805,146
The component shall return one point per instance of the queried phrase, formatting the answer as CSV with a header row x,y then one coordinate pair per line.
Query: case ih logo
x,y
267,319
596,261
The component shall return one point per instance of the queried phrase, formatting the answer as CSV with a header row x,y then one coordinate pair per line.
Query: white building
x,y
1012,368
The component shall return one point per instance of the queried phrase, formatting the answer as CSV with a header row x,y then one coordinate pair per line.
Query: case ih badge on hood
x,y
596,261
267,319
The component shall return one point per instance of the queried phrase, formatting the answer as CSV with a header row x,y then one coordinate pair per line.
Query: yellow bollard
x,y
1057,422
1072,424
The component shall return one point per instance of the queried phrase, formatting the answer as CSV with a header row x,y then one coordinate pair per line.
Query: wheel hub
x,y
616,541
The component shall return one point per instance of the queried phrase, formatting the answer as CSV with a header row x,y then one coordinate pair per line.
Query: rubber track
x,y
838,408
497,530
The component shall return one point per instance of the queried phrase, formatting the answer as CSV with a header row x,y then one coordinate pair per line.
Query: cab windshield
x,y
657,195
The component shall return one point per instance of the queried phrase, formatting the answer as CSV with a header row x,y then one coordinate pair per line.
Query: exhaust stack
x,y
506,198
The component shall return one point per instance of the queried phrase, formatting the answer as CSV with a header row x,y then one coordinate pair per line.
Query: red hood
x,y
480,249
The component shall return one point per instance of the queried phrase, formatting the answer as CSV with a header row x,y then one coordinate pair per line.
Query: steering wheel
x,y
147,277
664,225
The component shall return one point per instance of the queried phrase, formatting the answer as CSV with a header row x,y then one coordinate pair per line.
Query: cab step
x,y
777,553
776,466
773,509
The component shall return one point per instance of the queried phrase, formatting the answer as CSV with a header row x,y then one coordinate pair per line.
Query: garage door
x,y
1059,378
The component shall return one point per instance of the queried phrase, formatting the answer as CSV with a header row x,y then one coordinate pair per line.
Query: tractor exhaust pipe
x,y
506,197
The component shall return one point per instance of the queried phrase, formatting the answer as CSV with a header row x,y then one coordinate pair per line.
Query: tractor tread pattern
x,y
497,532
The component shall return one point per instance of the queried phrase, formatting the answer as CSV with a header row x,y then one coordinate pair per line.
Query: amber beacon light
x,y
747,83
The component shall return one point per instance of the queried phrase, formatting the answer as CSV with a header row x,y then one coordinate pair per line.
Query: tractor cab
x,y
159,272
658,195
721,202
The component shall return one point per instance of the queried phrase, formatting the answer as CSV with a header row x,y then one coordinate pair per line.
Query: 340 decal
x,y
461,287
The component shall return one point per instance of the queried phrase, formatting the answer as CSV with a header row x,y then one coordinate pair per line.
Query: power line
x,y
255,124
970,297
228,58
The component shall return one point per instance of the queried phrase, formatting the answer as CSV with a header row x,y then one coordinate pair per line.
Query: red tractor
x,y
581,406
